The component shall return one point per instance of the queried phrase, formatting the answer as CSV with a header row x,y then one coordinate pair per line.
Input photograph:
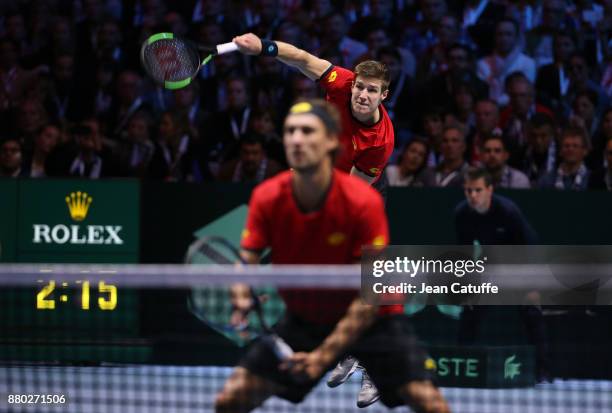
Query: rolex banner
x,y
78,221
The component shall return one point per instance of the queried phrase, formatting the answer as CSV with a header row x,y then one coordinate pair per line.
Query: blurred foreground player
x,y
315,214
489,219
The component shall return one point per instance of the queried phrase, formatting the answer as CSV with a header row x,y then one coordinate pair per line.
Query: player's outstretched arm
x,y
310,65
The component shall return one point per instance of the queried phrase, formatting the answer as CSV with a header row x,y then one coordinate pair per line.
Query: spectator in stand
x,y
263,123
433,129
464,98
506,58
584,111
11,156
602,178
267,19
132,156
513,119
421,34
539,41
67,99
228,126
214,89
540,155
47,139
14,79
480,18
433,60
252,164
187,104
336,36
494,159
486,121
175,157
580,81
410,164
572,173
449,172
81,157
31,116
378,38
127,101
596,159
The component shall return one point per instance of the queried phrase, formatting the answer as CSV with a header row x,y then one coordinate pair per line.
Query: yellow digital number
x,y
85,296
42,303
107,303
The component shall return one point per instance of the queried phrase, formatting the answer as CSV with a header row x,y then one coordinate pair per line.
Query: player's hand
x,y
248,44
305,367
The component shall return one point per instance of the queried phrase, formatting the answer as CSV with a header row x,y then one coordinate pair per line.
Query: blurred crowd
x,y
520,87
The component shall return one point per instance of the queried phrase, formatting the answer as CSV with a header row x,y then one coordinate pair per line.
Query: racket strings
x,y
171,60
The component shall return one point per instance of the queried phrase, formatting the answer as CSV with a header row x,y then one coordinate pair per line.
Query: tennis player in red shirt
x,y
317,214
367,137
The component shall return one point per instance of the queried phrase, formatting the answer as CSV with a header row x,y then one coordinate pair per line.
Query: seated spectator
x,y
552,81
596,159
400,100
581,80
421,34
187,104
175,157
80,157
378,38
462,112
31,116
480,18
460,70
335,36
539,40
486,121
602,178
252,164
513,119
226,127
584,111
506,58
540,155
494,159
410,164
433,129
449,172
133,155
127,101
11,159
433,59
572,173
262,122
48,138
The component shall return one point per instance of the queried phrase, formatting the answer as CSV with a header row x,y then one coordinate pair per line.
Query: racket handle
x,y
226,48
280,347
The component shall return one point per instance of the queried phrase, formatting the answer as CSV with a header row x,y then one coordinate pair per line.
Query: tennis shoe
x,y
369,393
343,371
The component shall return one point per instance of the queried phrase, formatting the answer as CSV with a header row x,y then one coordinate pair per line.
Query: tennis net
x,y
142,338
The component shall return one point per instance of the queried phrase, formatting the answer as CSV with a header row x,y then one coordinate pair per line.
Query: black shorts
x,y
388,350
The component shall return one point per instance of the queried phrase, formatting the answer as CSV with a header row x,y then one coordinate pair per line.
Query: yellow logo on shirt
x,y
336,239
332,77
379,241
430,364
374,171
245,233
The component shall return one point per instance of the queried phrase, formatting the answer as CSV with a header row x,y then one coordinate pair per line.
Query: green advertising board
x,y
8,212
78,221
484,366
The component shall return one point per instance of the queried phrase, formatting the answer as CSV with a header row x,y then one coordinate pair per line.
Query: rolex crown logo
x,y
78,205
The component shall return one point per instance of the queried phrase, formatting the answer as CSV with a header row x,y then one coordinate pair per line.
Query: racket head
x,y
171,61
213,305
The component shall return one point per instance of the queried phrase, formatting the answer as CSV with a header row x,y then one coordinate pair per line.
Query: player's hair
x,y
325,111
474,174
576,131
376,70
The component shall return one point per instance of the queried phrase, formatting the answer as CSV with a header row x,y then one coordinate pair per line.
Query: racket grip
x,y
280,347
226,48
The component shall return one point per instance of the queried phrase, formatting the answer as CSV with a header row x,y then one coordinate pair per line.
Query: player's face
x,y
478,194
493,154
366,95
306,141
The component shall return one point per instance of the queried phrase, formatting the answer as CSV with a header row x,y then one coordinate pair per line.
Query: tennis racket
x,y
173,62
220,251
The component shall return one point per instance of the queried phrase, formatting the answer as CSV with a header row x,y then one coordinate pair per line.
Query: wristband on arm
x,y
268,48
